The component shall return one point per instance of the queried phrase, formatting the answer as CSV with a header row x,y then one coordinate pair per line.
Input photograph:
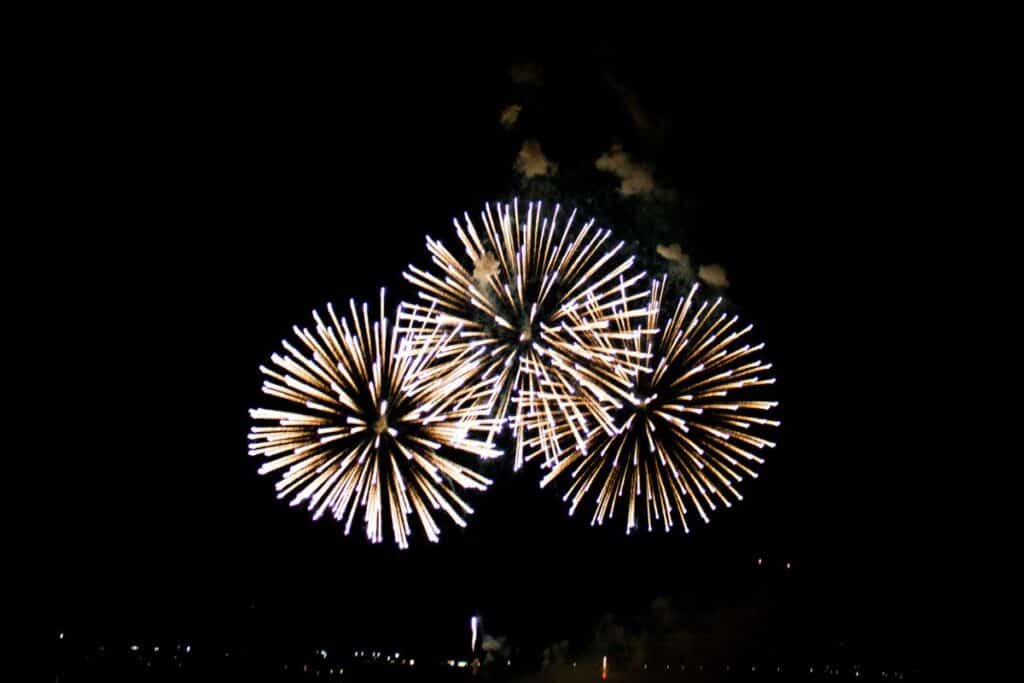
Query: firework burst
x,y
537,296
688,431
368,422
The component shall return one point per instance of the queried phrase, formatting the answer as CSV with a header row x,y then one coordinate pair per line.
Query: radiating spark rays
x,y
370,414
537,299
689,430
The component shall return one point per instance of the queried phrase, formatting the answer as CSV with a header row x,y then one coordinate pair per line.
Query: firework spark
x,y
538,297
687,434
472,628
368,420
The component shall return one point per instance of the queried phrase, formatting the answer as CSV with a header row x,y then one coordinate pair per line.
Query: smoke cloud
x,y
510,114
636,178
531,161
678,263
526,74
713,275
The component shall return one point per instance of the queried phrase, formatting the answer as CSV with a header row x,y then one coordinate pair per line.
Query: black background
x,y
207,198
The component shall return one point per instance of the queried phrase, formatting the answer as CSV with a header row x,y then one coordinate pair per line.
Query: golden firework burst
x,y
689,428
372,425
537,296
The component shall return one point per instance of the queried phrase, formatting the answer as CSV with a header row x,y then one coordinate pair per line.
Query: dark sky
x,y
212,199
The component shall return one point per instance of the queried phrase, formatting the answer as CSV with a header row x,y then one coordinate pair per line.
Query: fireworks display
x,y
688,432
538,297
542,331
370,425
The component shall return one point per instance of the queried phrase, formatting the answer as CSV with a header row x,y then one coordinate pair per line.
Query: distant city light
x,y
826,669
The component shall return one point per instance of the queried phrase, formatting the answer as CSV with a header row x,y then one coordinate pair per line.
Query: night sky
x,y
212,199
